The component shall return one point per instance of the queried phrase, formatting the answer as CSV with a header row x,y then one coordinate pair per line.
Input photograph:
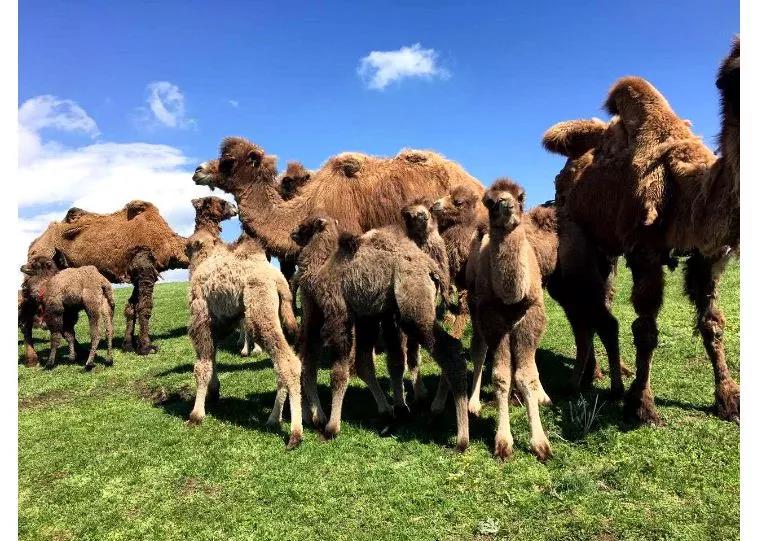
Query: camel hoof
x,y
727,401
462,444
108,362
331,431
401,413
88,367
318,420
127,347
244,353
474,408
147,349
31,362
213,396
542,450
639,408
273,422
194,420
503,450
294,441
48,366
617,393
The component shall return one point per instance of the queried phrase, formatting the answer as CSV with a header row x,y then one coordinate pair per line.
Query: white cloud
x,y
234,103
166,107
381,68
100,177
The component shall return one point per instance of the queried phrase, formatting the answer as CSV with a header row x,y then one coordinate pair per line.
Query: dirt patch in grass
x,y
158,395
192,485
46,399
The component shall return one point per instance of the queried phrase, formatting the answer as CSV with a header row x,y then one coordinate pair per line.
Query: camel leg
x,y
68,334
441,394
523,344
144,308
394,356
607,328
203,342
584,349
502,381
366,336
702,280
460,321
107,312
447,351
92,307
310,349
339,375
338,332
130,313
413,362
478,350
30,356
646,297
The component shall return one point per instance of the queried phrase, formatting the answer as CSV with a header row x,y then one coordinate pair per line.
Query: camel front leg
x,y
502,381
648,285
130,315
144,309
447,352
310,349
203,342
93,313
478,350
394,356
366,337
702,279
30,355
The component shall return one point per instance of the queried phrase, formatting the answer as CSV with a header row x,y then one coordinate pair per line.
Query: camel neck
x,y
510,263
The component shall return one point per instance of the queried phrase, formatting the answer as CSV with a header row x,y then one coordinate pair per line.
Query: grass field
x,y
106,455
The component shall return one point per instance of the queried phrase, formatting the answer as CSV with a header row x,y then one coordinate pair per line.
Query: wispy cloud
x,y
381,68
99,177
166,107
234,103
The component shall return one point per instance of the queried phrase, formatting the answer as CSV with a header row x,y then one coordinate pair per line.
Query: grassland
x,y
106,455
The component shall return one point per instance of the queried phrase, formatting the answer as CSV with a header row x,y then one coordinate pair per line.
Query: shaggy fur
x,y
362,192
663,172
293,180
348,286
61,295
132,245
225,288
506,304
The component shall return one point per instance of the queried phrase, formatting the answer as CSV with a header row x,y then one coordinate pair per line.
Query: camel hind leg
x,y
366,337
92,306
203,342
262,318
130,314
310,348
702,276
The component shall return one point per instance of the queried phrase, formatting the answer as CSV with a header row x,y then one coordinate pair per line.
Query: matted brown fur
x,y
226,287
507,309
697,213
293,180
362,192
347,292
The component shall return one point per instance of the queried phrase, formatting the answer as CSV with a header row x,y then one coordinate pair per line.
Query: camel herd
x,y
398,253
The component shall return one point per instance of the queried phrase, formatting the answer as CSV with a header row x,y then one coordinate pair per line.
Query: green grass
x,y
106,455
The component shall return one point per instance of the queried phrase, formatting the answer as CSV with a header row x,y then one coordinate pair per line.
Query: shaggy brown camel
x,y
132,245
349,283
362,192
643,185
507,309
225,288
60,295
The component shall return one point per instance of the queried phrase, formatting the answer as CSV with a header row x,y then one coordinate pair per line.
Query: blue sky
x,y
286,76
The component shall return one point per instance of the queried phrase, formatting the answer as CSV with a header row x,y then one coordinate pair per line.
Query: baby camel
x,y
349,284
61,295
225,288
507,309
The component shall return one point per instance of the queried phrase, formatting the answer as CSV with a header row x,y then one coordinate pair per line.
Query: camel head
x,y
459,206
213,209
295,177
200,245
728,81
505,201
418,218
240,164
312,226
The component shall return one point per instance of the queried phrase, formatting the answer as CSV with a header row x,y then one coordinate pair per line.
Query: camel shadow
x,y
252,363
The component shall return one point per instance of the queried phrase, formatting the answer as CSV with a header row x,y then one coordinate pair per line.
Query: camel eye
x,y
458,202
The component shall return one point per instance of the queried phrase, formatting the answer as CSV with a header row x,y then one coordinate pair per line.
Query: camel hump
x,y
413,156
348,163
136,207
632,90
73,214
348,243
544,218
296,170
573,138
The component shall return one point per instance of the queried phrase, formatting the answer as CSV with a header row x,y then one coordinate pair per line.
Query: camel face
x,y
504,201
240,163
455,208
308,228
214,209
418,220
296,176
207,173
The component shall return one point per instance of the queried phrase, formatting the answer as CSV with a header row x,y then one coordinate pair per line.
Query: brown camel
x,y
362,192
225,288
61,295
349,284
132,245
507,308
643,186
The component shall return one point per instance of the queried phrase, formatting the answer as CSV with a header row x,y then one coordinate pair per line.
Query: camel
x,y
643,186
507,309
350,283
131,245
362,192
60,295
224,288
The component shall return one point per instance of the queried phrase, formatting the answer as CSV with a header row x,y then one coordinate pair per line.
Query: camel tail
x,y
287,315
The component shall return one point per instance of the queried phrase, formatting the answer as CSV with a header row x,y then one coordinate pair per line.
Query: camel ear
x,y
487,201
321,223
521,200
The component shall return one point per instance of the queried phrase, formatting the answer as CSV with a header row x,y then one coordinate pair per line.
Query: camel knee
x,y
645,333
711,324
